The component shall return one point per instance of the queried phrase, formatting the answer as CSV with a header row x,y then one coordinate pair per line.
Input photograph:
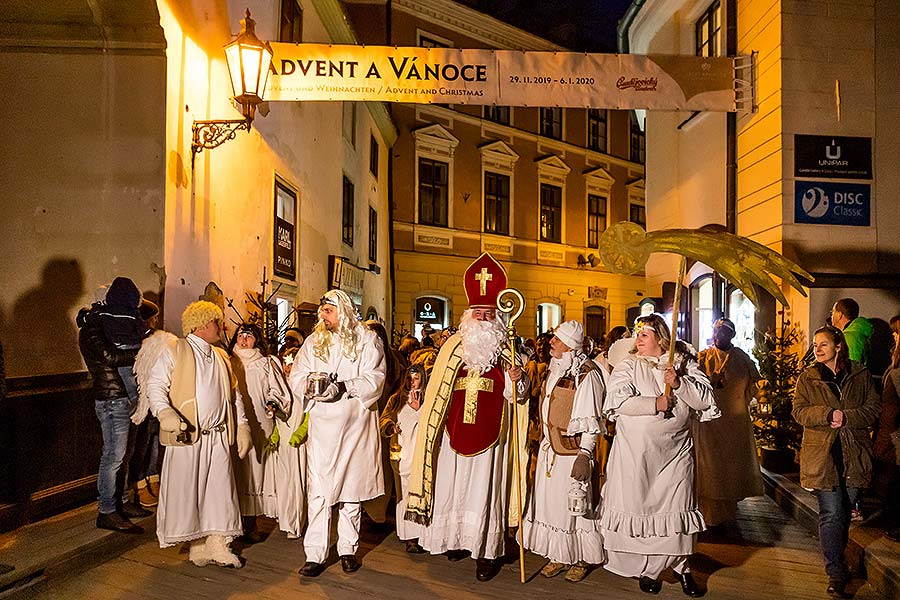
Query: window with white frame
x,y
433,191
497,114
596,219
637,213
551,213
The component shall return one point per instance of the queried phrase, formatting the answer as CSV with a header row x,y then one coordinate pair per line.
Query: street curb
x,y
73,550
876,557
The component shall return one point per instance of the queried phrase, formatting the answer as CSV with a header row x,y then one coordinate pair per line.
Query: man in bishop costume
x,y
344,447
463,470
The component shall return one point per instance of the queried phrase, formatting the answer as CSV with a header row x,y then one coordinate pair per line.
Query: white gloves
x,y
331,393
170,422
244,440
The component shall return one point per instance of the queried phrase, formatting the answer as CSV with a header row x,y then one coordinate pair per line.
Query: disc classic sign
x,y
501,77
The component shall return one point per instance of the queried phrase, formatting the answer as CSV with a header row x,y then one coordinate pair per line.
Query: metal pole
x,y
676,308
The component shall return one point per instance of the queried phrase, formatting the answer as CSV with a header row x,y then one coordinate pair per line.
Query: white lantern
x,y
578,500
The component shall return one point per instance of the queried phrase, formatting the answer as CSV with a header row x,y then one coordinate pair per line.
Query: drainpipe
x,y
625,24
731,126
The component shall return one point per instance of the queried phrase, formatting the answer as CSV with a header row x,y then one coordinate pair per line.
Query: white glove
x,y
170,422
330,394
244,440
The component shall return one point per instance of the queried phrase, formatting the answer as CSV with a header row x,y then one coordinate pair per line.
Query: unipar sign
x,y
307,72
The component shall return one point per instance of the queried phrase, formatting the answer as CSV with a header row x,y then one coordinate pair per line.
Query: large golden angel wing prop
x,y
625,248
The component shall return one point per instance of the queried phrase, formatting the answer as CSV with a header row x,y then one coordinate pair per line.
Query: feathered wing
x,y
151,352
741,260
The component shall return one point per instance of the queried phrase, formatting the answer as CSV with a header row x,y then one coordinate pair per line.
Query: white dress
x,y
471,496
197,495
343,451
649,516
290,480
549,529
259,382
408,420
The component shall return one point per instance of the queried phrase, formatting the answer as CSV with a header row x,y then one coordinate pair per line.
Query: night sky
x,y
580,25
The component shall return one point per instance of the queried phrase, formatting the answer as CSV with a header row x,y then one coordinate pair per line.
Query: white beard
x,y
559,366
482,342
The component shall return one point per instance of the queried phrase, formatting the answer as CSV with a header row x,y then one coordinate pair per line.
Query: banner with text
x,y
501,77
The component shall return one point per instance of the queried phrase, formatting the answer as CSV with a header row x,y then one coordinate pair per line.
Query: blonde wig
x,y
198,314
348,331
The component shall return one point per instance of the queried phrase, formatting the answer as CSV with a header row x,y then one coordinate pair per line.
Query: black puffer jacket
x,y
102,358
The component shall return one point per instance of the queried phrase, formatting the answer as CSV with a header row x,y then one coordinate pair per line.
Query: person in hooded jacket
x,y
836,403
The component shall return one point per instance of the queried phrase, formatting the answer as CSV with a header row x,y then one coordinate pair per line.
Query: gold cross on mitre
x,y
483,280
473,383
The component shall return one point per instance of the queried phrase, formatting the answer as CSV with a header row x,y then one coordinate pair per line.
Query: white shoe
x,y
220,553
199,554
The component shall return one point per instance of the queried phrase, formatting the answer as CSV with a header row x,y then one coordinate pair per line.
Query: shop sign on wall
x,y
830,203
832,157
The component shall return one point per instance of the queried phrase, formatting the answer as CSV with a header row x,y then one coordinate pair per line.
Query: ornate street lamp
x,y
248,60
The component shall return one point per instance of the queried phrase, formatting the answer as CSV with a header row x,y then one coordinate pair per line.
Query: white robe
x,y
197,495
290,481
260,382
549,529
649,516
471,495
343,451
408,421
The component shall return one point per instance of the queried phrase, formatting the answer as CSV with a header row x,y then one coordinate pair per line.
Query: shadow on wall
x,y
39,334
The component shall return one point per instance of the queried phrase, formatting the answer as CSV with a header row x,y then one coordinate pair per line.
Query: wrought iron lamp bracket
x,y
212,134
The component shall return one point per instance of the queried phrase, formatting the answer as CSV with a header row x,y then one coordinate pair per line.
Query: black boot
x,y
486,569
649,586
688,585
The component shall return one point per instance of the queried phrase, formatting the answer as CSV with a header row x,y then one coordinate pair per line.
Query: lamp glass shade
x,y
248,64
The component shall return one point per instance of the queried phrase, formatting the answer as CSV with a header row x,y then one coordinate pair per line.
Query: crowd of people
x,y
621,453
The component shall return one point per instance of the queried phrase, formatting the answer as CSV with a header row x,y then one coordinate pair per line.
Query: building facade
x,y
533,186
809,171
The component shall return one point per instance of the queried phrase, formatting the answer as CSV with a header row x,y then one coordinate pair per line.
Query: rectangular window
x,y
347,218
637,213
496,203
709,31
373,235
637,149
551,213
596,224
551,123
291,22
349,123
597,129
373,156
285,235
433,192
497,114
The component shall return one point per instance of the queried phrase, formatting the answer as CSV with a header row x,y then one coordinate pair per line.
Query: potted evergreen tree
x,y
778,435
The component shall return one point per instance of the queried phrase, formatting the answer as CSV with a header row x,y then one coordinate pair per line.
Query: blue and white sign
x,y
827,203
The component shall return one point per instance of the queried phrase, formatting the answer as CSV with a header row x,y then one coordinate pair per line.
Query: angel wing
x,y
151,351
625,247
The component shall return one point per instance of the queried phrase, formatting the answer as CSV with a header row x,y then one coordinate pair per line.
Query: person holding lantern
x,y
571,403
727,466
400,422
649,517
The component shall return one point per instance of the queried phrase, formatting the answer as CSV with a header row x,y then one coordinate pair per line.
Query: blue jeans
x,y
834,526
115,424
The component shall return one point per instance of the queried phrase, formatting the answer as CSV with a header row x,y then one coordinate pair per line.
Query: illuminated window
x,y
551,213
709,31
549,316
